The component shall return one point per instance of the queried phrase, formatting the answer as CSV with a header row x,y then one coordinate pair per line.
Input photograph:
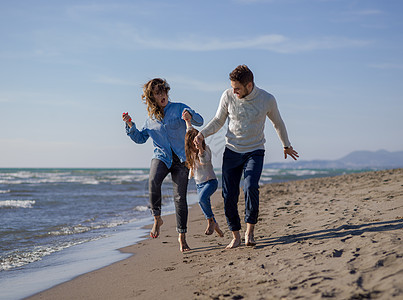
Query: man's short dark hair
x,y
241,74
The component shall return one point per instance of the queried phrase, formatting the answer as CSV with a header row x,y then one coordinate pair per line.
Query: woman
x,y
167,129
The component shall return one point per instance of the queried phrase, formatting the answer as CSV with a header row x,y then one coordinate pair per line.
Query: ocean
x,y
56,224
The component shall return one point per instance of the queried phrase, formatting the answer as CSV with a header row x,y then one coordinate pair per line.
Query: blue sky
x,y
70,68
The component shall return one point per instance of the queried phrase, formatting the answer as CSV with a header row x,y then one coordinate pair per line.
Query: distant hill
x,y
381,159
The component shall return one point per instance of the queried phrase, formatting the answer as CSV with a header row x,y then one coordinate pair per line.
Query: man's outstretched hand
x,y
291,152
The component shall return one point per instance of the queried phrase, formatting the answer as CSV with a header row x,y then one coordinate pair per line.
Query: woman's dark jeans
x,y
235,164
179,173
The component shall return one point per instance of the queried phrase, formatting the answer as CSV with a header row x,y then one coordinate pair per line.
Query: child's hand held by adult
x,y
198,140
186,116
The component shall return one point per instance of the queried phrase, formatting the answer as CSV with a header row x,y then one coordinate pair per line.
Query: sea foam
x,y
17,203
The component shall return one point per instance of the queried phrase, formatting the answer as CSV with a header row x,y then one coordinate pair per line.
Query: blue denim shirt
x,y
166,134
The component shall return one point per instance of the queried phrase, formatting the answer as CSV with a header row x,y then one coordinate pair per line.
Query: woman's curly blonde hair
x,y
158,85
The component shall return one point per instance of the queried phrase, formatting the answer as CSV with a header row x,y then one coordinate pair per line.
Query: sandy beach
x,y
335,237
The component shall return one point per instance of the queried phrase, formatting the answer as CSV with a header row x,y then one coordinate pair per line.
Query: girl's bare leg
x,y
218,230
210,226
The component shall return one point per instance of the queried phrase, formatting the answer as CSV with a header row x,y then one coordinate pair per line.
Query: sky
x,y
69,69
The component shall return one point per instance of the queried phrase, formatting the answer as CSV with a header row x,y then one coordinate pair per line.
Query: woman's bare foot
x,y
218,230
183,246
249,236
155,231
210,226
236,240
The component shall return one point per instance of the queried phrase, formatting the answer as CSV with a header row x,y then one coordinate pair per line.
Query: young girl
x,y
198,160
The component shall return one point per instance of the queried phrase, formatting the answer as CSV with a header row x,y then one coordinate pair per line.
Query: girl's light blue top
x,y
169,134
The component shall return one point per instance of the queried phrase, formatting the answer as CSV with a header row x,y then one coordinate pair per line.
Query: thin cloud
x,y
326,43
37,98
193,84
387,66
273,42
253,1
179,81
115,81
212,44
124,36
5,100
363,15
367,12
97,9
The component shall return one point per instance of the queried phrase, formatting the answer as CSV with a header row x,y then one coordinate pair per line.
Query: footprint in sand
x,y
337,253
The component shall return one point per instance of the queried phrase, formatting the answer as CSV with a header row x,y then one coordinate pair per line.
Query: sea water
x,y
56,224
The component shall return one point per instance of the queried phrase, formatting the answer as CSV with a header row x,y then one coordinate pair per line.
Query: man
x,y
246,107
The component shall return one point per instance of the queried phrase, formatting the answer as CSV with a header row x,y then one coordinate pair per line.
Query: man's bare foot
x,y
155,231
249,240
234,244
210,226
218,230
249,236
183,246
236,240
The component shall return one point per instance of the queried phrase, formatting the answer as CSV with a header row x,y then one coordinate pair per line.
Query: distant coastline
x,y
371,160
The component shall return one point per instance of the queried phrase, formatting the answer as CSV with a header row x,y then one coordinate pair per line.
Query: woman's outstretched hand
x,y
127,119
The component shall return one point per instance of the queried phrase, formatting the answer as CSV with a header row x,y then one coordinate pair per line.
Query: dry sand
x,y
337,238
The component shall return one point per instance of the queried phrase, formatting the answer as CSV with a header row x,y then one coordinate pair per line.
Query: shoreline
x,y
334,237
69,263
80,259
138,254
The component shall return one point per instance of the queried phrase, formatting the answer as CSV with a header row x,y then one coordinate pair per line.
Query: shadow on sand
x,y
346,231
339,232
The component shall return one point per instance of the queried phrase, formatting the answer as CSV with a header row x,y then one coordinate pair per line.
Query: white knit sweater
x,y
246,120
204,170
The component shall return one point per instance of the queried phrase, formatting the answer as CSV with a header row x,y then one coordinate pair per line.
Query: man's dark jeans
x,y
235,164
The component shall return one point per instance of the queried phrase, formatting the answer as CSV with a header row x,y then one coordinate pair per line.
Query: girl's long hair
x,y
192,153
159,85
